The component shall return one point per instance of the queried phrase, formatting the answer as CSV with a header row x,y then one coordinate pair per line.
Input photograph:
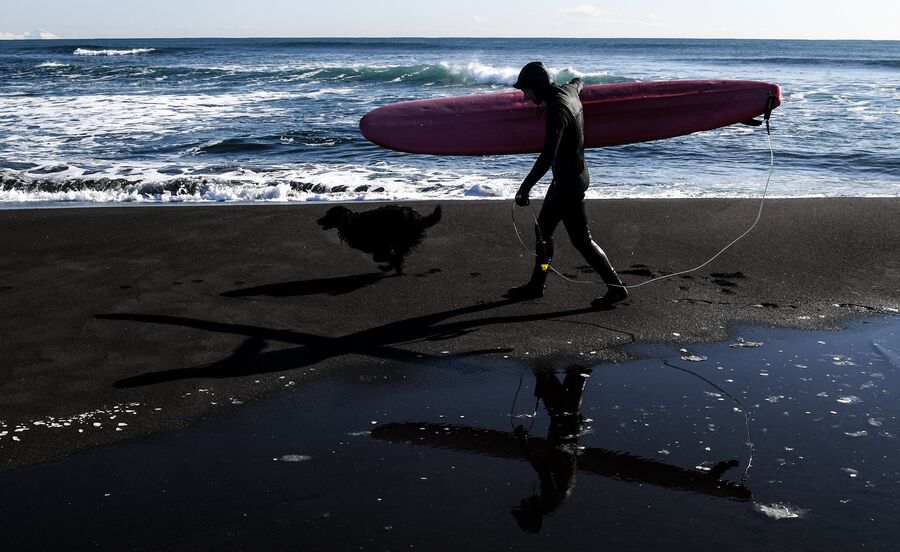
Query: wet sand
x,y
773,439
126,322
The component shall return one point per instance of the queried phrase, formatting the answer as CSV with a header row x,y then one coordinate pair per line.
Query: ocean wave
x,y
112,52
448,73
214,184
362,43
803,61
232,145
432,75
62,183
138,118
129,73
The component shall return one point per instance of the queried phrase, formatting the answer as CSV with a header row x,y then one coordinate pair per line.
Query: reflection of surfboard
x,y
615,114
607,463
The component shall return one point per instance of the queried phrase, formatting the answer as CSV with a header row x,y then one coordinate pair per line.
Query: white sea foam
x,y
112,52
108,416
136,183
293,458
779,511
477,72
325,92
849,399
66,121
199,182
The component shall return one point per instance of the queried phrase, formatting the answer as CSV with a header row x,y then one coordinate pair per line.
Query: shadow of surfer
x,y
556,459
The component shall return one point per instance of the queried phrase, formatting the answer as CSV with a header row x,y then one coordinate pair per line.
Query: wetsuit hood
x,y
534,77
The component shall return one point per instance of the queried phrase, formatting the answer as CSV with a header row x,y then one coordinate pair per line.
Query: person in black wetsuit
x,y
563,152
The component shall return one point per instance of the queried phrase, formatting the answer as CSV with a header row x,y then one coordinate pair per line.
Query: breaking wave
x,y
448,74
112,52
432,75
216,184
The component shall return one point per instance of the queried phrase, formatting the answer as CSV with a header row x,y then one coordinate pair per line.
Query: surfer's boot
x,y
598,260
615,294
534,289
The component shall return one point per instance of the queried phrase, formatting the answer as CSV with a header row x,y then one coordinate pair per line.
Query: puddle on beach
x,y
647,454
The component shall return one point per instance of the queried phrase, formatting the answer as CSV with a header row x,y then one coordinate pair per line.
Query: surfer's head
x,y
533,81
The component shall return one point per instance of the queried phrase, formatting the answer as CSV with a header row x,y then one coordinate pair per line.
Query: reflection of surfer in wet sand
x,y
555,460
558,458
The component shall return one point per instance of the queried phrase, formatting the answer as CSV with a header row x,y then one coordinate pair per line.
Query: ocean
x,y
169,121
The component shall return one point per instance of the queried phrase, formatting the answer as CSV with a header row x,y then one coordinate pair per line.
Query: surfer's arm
x,y
554,132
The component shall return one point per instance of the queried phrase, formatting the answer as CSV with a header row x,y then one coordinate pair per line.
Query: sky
x,y
803,19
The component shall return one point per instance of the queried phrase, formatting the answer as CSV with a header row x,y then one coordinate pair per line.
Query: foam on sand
x,y
778,511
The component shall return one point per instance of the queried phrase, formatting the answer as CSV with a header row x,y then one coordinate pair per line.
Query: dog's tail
x,y
433,218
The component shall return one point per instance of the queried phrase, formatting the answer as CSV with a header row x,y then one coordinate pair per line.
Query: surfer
x,y
563,152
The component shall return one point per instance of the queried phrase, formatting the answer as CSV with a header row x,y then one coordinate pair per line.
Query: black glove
x,y
522,198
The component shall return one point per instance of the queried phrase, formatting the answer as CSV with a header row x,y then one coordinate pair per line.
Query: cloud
x,y
480,19
586,10
31,35
593,15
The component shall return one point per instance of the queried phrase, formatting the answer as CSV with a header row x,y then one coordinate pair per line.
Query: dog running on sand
x,y
388,232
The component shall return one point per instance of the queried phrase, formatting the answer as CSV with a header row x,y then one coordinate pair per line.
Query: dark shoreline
x,y
187,310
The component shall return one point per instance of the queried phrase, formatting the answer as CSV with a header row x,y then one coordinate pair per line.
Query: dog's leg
x,y
397,263
382,256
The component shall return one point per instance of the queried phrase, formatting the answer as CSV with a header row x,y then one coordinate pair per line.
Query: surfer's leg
x,y
547,221
576,223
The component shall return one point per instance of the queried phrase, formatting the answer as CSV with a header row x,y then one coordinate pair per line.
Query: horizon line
x,y
426,37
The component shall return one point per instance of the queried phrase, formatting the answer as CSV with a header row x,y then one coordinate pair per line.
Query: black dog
x,y
389,232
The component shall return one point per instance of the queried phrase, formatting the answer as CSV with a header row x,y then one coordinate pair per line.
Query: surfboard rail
x,y
615,114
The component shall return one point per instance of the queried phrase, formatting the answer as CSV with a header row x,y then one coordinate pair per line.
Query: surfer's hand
x,y
522,199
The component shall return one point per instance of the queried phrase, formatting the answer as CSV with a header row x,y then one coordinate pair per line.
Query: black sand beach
x,y
125,325
107,307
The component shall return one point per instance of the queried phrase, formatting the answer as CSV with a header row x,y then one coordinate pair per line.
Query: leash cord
x,y
740,406
696,268
512,408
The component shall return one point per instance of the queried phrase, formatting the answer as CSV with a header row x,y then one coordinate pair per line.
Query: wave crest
x,y
112,52
212,184
449,74
436,75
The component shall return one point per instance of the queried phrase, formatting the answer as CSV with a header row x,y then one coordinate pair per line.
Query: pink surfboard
x,y
614,114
